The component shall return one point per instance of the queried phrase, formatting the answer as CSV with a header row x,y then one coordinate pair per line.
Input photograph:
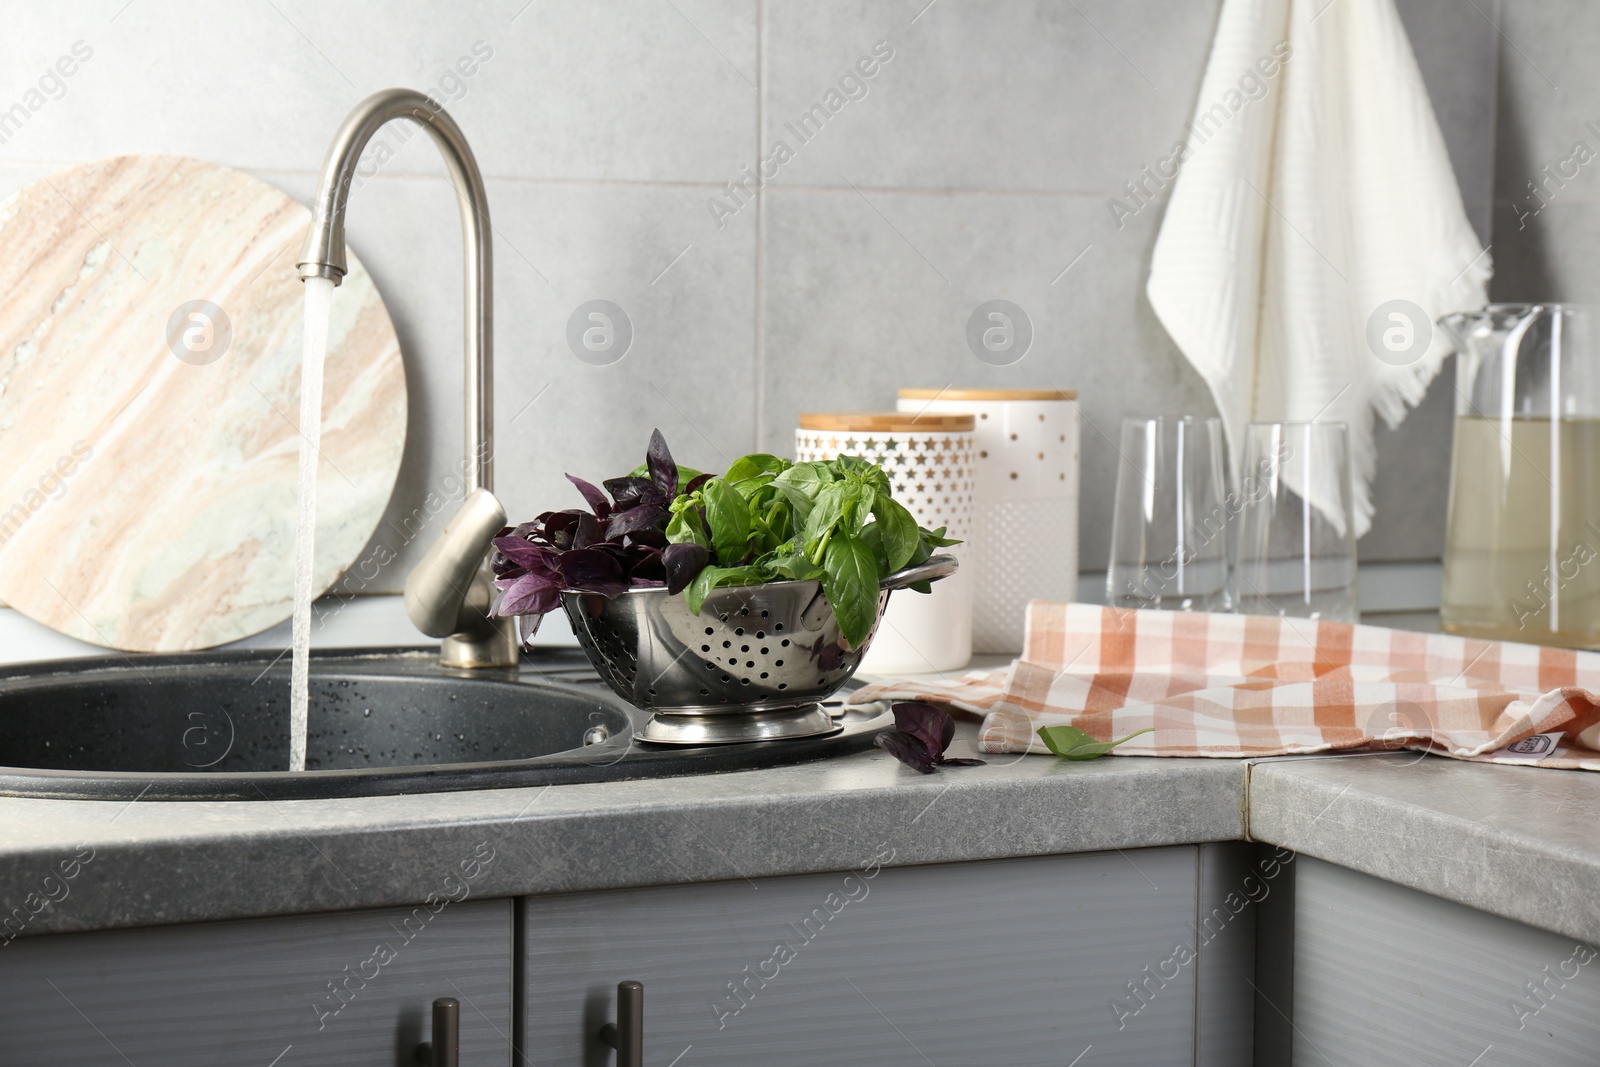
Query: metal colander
x,y
753,665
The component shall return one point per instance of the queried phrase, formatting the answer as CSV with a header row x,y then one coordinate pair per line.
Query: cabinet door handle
x,y
626,1035
443,1050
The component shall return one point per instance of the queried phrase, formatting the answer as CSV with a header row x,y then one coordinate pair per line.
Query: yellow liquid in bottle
x,y
1522,558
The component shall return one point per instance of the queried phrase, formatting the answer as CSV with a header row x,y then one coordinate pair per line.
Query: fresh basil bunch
x,y
765,520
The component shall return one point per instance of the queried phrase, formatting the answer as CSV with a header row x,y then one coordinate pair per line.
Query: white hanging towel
x,y
1315,190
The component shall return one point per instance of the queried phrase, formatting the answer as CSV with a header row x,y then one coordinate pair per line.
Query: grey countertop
x,y
165,862
1521,842
1518,842
1514,841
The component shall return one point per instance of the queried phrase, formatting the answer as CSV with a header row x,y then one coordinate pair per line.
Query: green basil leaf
x,y
872,537
807,478
686,524
771,525
850,580
897,530
754,466
729,518
1069,742
794,567
713,577
827,512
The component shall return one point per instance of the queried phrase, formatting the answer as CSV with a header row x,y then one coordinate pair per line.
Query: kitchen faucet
x,y
448,594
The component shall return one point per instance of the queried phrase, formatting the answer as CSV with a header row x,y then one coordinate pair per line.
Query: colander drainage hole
x,y
710,631
727,644
744,681
763,674
777,663
705,692
778,626
750,663
739,632
705,648
761,635
784,643
783,685
764,614
763,650
744,648
725,678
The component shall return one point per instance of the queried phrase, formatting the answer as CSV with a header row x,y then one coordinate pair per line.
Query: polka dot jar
x,y
1025,501
930,463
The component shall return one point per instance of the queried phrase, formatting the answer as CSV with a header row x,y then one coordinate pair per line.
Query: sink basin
x,y
215,727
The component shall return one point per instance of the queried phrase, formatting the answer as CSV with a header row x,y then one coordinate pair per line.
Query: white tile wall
x,y
976,165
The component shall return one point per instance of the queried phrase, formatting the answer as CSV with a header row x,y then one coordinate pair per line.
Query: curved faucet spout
x,y
323,254
448,594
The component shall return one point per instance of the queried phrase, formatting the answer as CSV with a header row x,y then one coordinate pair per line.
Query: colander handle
x,y
934,567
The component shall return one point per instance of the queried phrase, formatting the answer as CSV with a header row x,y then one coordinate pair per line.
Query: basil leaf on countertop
x,y
1069,742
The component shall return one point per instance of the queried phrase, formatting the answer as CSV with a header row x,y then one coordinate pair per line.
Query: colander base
x,y
737,727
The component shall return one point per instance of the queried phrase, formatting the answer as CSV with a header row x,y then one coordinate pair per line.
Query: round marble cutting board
x,y
150,330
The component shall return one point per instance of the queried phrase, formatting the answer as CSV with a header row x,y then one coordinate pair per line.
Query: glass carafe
x,y
1522,556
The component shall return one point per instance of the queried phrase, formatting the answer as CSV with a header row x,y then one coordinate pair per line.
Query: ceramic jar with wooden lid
x,y
929,460
1026,501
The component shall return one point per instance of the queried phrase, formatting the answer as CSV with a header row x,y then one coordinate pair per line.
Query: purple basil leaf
x,y
617,551
645,565
591,570
526,554
593,497
532,594
908,750
696,482
683,562
654,537
963,762
646,583
663,471
587,532
629,491
932,726
560,526
641,517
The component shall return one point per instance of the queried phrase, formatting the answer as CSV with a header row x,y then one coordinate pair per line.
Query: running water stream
x,y
319,298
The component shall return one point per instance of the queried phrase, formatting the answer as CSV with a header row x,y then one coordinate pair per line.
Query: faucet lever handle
x,y
438,588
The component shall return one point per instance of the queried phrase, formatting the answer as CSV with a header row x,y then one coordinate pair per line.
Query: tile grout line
x,y
664,183
759,377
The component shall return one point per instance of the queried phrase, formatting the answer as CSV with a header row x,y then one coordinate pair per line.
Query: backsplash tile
x,y
987,96
869,290
976,166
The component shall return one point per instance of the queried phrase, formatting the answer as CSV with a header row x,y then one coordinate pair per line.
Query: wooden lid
x,y
988,394
886,422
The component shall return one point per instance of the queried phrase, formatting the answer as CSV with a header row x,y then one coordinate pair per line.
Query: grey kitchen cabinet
x,y
262,992
1001,962
1388,975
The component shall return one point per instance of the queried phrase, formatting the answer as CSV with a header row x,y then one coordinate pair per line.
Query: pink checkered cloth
x,y
1244,685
